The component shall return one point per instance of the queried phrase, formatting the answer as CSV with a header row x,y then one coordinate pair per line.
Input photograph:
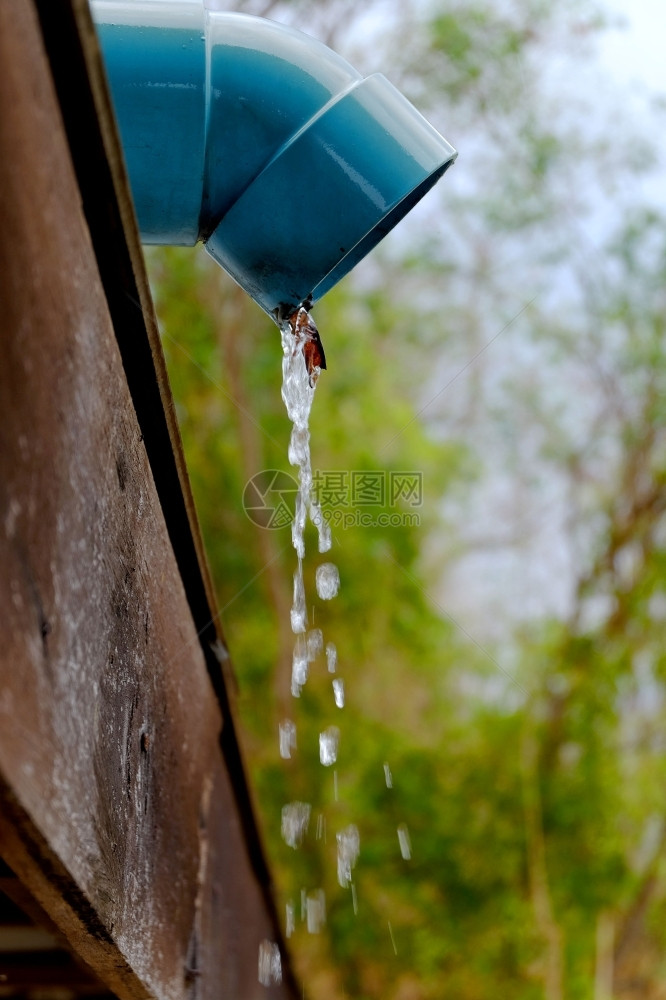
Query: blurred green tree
x,y
510,349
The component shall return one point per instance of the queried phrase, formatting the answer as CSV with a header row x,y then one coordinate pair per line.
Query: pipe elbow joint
x,y
263,143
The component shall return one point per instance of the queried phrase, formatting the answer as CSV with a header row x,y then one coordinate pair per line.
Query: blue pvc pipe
x,y
261,142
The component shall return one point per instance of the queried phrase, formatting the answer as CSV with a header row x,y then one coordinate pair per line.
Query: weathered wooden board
x,y
116,805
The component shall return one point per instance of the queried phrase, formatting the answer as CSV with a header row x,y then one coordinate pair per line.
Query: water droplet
x,y
287,731
315,642
404,841
388,777
331,657
339,692
270,965
290,919
298,524
299,666
327,581
348,850
328,745
295,821
316,911
324,527
299,616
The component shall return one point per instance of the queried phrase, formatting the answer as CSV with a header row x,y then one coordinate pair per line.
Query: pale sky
x,y
638,53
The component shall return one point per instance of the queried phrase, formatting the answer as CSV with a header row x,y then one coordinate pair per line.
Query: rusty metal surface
x,y
123,803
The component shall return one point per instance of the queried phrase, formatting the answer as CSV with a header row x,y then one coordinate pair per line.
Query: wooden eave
x,y
127,828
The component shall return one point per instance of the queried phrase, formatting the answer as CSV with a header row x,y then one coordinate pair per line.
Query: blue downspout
x,y
262,142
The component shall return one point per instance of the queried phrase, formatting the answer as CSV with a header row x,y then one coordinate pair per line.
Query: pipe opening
x,y
376,235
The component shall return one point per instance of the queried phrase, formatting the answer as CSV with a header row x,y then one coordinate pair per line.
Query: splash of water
x,y
339,692
298,387
327,581
299,666
300,369
349,845
287,732
299,614
303,357
331,657
315,909
328,745
270,964
290,919
315,643
295,822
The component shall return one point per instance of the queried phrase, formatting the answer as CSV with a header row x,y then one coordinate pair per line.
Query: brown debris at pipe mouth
x,y
307,338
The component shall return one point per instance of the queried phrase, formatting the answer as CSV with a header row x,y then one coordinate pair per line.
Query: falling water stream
x,y
303,359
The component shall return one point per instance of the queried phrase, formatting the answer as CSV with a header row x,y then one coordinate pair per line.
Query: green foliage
x,y
526,749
